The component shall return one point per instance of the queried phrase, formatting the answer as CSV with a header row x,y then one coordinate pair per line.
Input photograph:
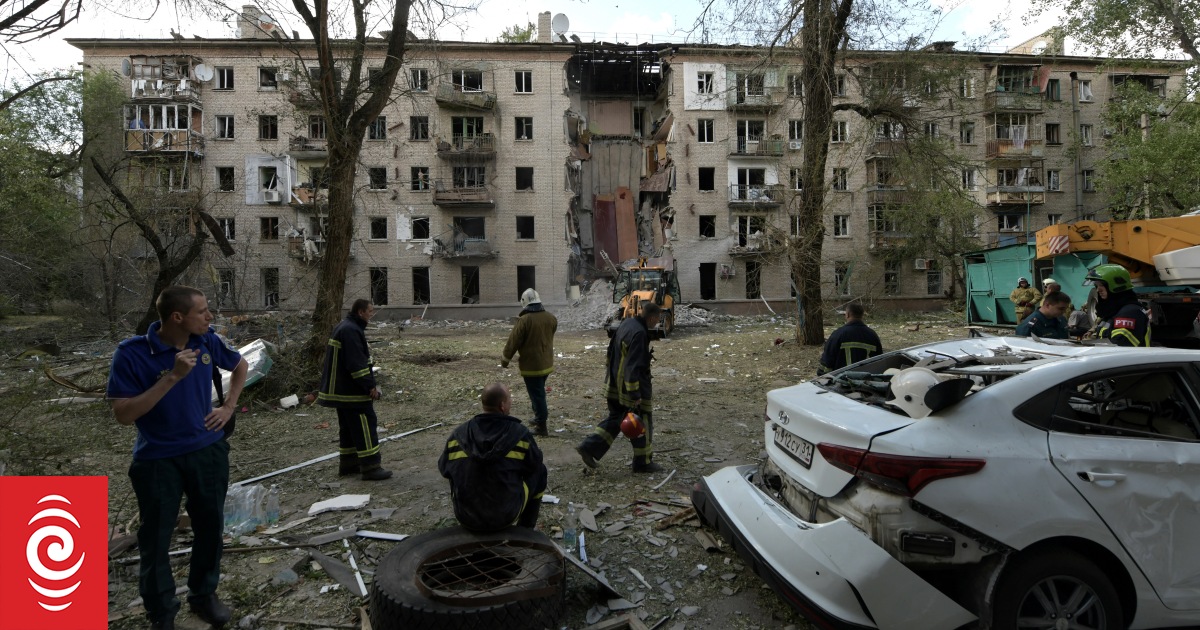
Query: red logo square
x,y
54,552
1124,322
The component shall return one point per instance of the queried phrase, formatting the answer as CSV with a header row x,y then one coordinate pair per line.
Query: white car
x,y
995,482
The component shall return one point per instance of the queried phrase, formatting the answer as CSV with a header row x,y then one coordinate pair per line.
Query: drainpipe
x,y
1078,149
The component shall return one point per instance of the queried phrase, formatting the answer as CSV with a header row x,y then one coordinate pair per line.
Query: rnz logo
x,y
55,585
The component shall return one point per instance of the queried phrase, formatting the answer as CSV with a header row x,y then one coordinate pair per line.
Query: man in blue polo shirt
x,y
162,383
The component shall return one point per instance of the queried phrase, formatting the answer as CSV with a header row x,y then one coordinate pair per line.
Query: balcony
x,y
468,148
479,196
887,196
454,96
303,148
882,242
463,249
164,142
309,199
1015,141
164,78
1028,100
756,195
886,148
749,146
770,98
756,245
1008,196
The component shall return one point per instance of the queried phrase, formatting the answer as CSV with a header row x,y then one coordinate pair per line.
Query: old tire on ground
x,y
452,579
1041,589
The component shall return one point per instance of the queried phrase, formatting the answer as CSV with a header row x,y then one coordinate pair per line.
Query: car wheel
x,y
452,579
1056,589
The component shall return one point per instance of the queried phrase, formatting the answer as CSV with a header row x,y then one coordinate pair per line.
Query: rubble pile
x,y
590,311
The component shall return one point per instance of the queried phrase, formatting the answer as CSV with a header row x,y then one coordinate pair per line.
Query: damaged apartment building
x,y
498,167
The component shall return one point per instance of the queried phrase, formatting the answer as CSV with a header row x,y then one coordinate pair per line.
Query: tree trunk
x,y
335,260
168,271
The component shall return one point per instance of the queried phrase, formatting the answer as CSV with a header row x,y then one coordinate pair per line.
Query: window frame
x,y
372,224
523,128
418,128
373,183
225,127
268,127
268,78
223,79
527,75
704,130
377,129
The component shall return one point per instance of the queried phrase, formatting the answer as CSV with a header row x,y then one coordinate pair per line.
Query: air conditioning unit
x,y
273,196
920,264
795,145
283,75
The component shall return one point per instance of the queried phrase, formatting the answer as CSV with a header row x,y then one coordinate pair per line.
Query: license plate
x,y
798,448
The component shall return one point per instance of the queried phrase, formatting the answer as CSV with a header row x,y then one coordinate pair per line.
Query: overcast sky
x,y
610,20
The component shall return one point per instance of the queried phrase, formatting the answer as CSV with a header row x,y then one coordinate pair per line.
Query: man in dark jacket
x,y
1047,322
1120,318
851,343
533,338
348,385
495,468
627,388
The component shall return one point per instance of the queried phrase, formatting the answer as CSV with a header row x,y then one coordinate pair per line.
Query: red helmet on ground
x,y
632,426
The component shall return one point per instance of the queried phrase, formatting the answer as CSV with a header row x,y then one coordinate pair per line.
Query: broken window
x,y
225,289
524,127
708,226
1054,180
316,127
1009,222
795,130
705,130
374,78
268,78
750,84
270,286
1015,79
524,178
749,133
966,132
749,224
379,285
841,277
420,178
225,127
526,279
174,178
795,85
639,118
796,178
268,178
467,80
377,177
420,228
420,282
228,227
707,178
525,228
268,228
469,177
841,225
1006,176
891,277
840,132
882,221
418,80
1085,135
418,127
225,178
378,228
751,183
321,176
524,82
841,179
470,285
268,127
1089,180
704,82
224,78
471,227
753,280
1085,91
377,130
1053,133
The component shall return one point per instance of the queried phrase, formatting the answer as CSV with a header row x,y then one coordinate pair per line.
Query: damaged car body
x,y
989,483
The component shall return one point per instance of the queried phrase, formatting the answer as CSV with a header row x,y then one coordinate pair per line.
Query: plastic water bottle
x,y
571,529
273,506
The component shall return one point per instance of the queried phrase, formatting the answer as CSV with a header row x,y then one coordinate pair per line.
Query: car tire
x,y
452,579
1054,585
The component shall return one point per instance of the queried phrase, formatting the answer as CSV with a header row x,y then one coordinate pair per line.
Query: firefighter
x,y
1121,318
851,343
1024,298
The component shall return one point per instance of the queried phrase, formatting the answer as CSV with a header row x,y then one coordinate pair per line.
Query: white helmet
x,y
530,297
909,388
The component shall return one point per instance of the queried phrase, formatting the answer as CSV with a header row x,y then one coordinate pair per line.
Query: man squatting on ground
x,y
162,382
495,468
627,388
348,385
533,338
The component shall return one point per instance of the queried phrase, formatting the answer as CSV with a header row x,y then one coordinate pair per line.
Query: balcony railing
x,y
761,195
454,95
752,146
476,147
886,196
446,194
1030,100
771,97
307,148
164,141
1015,195
886,147
463,249
1015,141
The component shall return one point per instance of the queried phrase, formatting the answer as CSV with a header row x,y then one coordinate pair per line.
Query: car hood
x,y
817,416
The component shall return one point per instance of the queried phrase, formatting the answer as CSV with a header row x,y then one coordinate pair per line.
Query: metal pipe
x,y
1078,149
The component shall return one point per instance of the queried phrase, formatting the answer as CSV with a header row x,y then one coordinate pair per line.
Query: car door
x,y
1128,443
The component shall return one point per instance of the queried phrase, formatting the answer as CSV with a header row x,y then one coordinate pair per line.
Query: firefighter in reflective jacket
x,y
495,468
1121,319
1024,298
851,343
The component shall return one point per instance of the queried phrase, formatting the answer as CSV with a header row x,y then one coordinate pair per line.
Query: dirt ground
x,y
710,380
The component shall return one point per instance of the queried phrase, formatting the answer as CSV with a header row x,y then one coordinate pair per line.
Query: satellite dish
x,y
203,72
267,23
560,23
126,68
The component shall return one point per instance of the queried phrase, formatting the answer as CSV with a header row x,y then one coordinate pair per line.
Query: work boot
x,y
539,429
650,467
348,465
210,610
376,474
588,460
166,623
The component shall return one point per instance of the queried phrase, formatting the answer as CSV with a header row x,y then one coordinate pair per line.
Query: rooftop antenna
x,y
559,25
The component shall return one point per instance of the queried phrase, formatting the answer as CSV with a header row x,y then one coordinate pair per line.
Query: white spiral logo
x,y
59,550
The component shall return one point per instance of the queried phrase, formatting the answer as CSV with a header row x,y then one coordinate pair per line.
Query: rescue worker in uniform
x,y
1047,322
1120,317
851,343
348,385
1050,285
627,388
533,338
495,468
1024,298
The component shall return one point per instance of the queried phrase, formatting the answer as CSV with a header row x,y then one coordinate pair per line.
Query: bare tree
x,y
23,21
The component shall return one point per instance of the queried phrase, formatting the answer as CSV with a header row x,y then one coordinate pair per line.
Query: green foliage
x,y
517,34
1155,169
